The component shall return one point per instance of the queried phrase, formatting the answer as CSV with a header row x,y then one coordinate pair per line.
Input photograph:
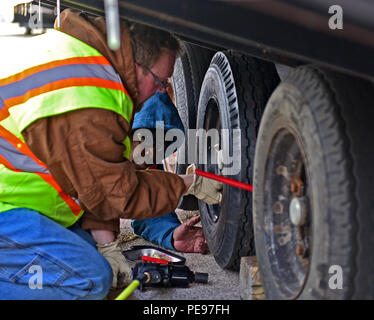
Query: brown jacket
x,y
83,149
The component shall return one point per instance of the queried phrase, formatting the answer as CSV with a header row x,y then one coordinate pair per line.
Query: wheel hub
x,y
286,214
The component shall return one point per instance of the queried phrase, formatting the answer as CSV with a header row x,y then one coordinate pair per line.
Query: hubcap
x,y
298,212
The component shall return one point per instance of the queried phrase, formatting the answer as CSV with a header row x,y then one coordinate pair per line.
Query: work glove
x,y
122,273
208,190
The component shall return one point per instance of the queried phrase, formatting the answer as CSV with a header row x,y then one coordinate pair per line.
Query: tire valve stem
x,y
219,157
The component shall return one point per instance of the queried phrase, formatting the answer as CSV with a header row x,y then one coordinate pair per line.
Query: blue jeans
x,y
40,259
158,230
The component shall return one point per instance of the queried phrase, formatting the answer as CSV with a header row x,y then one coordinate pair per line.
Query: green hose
x,y
125,293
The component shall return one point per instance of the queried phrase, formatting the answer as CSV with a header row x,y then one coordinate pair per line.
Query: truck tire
x,y
186,82
313,193
233,96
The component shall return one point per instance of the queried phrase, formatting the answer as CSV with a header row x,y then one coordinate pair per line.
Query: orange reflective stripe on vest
x,y
72,72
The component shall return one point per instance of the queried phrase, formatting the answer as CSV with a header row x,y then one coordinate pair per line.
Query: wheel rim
x,y
287,214
212,121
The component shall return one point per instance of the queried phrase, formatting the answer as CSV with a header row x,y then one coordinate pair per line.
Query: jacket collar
x,y
92,31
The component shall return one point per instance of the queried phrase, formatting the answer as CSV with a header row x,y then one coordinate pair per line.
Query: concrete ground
x,y
222,284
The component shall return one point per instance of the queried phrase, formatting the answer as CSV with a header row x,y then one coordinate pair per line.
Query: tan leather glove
x,y
208,190
122,273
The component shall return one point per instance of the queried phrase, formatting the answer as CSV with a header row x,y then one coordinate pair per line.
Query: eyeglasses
x,y
162,84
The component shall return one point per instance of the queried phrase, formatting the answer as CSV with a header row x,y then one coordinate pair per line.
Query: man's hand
x,y
188,238
208,190
122,273
108,247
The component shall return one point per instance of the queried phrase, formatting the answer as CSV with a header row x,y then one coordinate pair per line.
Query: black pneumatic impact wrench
x,y
166,275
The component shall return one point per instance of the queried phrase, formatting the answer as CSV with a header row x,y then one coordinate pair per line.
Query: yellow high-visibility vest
x,y
58,74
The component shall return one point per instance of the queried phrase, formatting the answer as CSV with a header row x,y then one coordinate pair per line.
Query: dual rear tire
x,y
311,164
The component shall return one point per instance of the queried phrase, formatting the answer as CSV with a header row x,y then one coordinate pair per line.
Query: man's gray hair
x,y
149,43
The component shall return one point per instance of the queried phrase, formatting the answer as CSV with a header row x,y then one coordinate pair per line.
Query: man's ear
x,y
139,70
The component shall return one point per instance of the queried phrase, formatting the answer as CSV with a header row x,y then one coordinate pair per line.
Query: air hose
x,y
125,293
139,280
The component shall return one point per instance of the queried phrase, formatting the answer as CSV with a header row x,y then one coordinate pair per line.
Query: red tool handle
x,y
224,180
154,260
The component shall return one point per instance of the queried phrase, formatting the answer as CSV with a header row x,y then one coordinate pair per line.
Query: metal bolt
x,y
300,249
